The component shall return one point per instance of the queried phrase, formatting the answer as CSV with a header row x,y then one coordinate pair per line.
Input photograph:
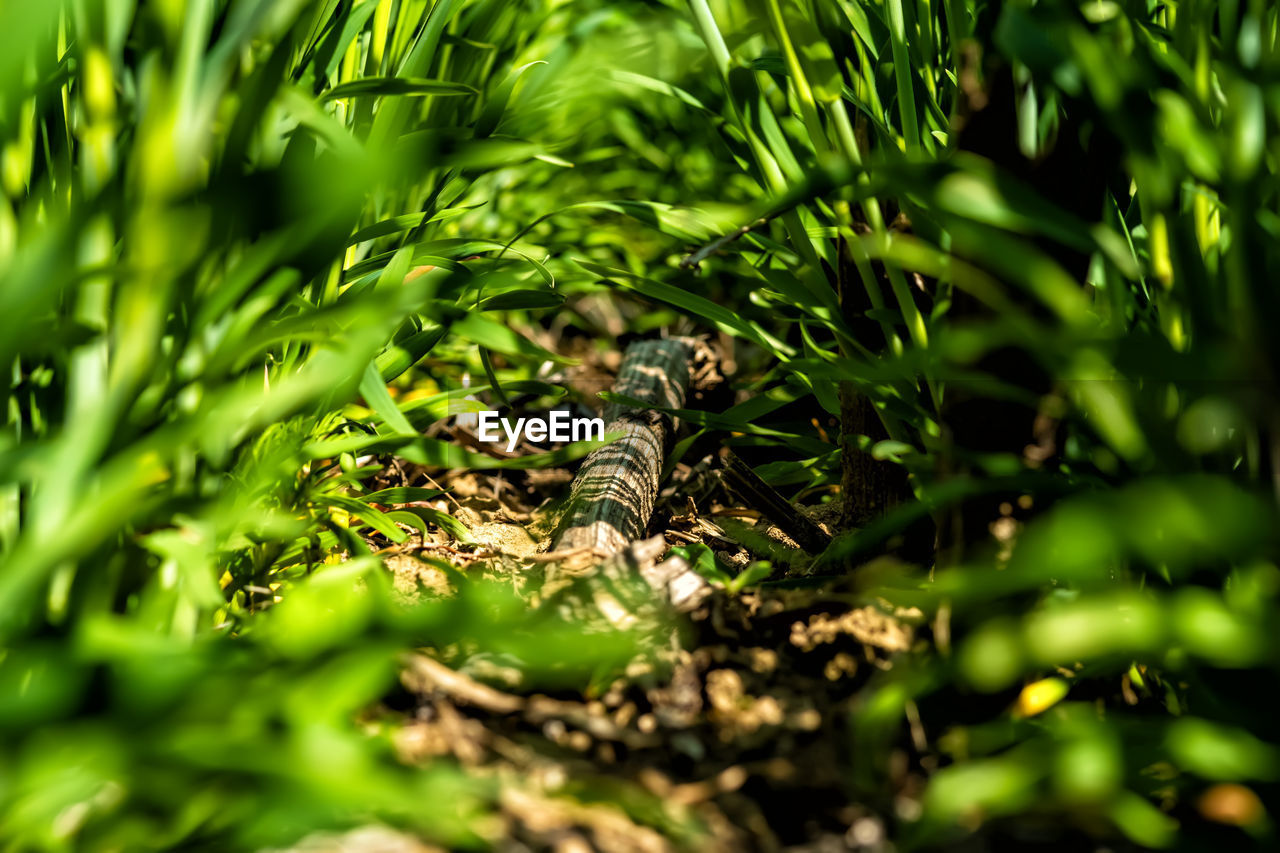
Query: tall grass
x,y
210,214
1072,356
1032,240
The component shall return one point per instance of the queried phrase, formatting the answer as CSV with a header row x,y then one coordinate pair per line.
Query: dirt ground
x,y
728,733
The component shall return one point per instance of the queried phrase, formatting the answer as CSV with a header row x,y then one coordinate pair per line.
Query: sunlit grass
x,y
210,222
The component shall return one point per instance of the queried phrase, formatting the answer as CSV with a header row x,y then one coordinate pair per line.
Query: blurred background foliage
x,y
1029,241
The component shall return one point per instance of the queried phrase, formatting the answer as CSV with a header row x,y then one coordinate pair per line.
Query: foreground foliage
x,y
1030,240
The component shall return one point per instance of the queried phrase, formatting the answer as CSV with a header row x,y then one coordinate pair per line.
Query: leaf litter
x,y
717,735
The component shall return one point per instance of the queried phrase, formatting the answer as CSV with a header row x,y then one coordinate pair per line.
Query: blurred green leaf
x,y
396,86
